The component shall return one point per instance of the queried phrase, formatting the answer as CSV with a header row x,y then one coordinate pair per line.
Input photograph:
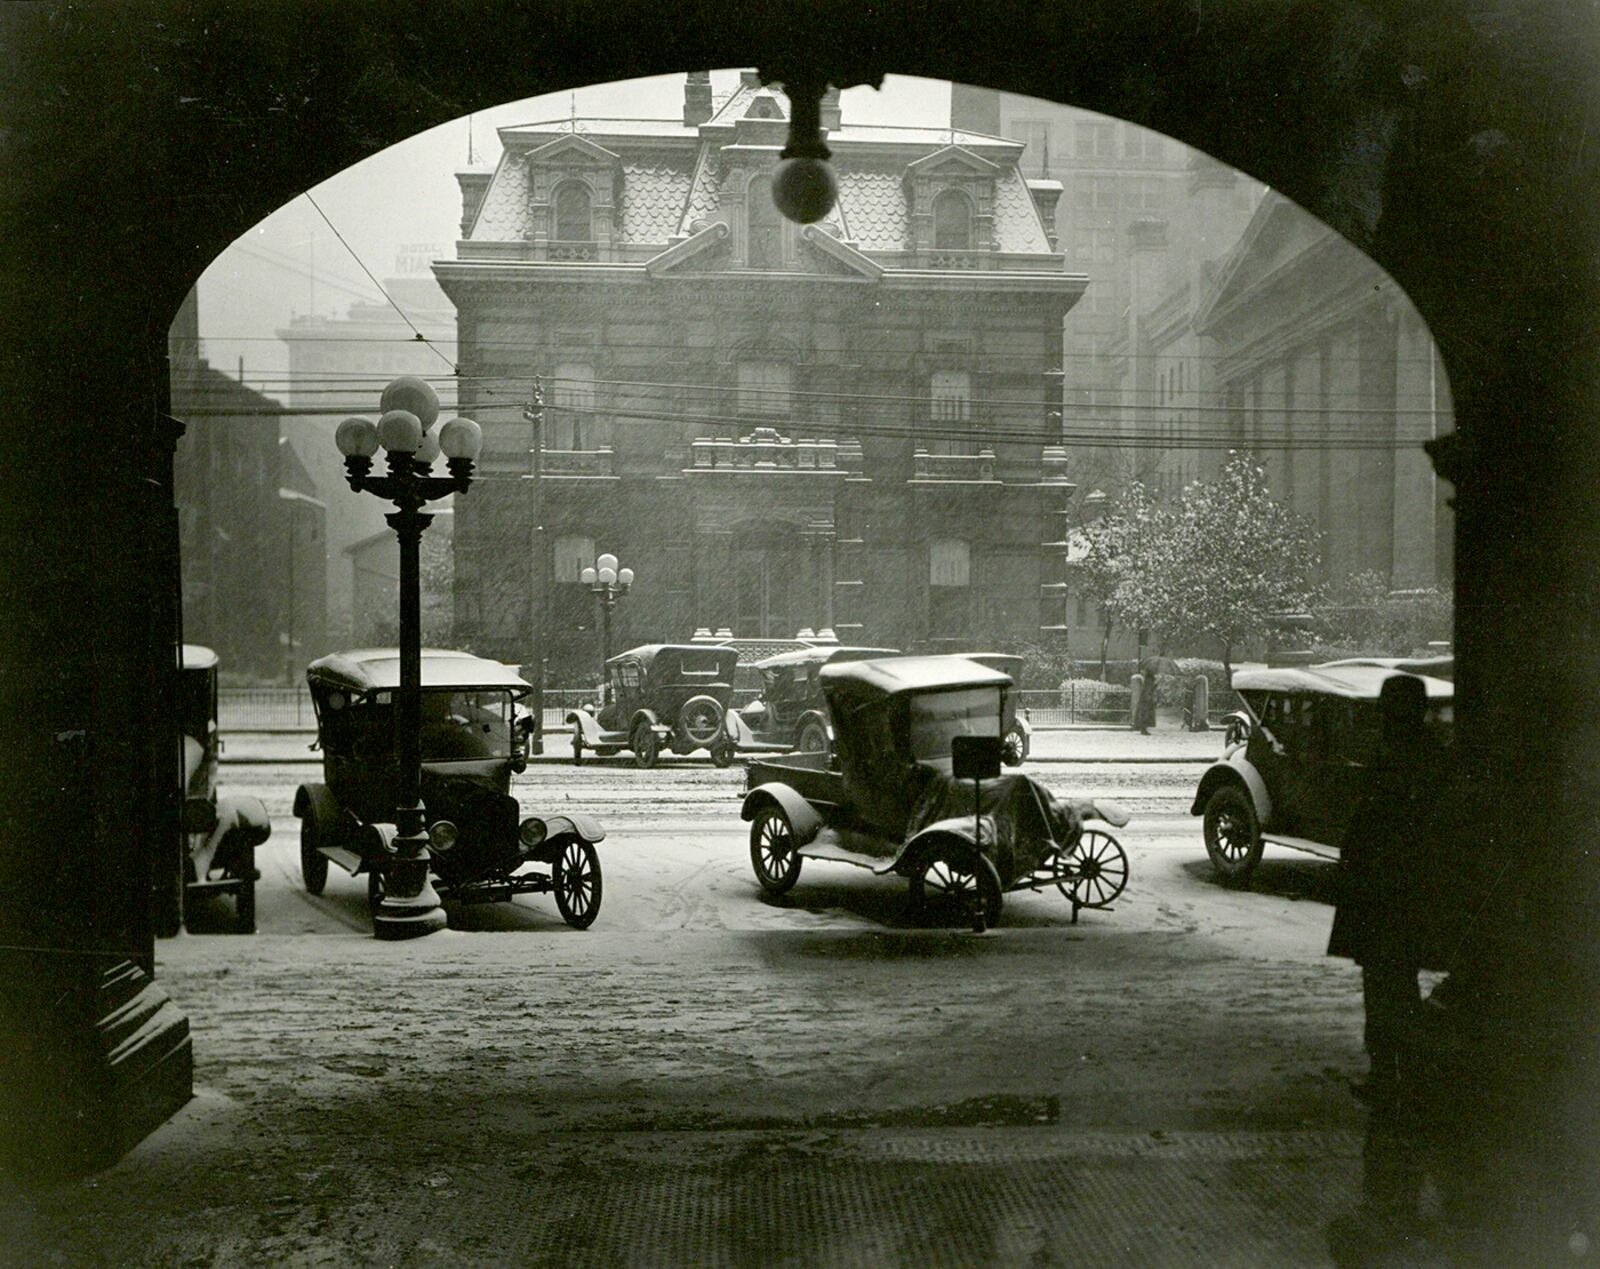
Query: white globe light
x,y
608,576
410,393
428,451
607,561
460,438
357,438
625,576
400,432
587,577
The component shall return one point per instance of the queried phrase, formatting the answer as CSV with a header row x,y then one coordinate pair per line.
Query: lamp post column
x,y
607,583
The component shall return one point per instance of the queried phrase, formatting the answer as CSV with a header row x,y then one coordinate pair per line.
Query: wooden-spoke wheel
x,y
773,852
1015,748
1233,835
646,746
701,720
1094,871
577,746
813,738
317,827
576,878
949,886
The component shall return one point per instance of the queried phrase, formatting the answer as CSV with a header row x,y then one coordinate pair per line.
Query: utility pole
x,y
538,624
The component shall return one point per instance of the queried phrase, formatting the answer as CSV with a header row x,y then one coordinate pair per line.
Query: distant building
x,y
374,567
338,366
844,426
251,531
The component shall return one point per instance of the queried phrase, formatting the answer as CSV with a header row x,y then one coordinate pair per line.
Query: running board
x,y
827,847
1303,844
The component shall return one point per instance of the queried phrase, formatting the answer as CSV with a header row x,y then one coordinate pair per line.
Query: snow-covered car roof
x,y
824,654
893,675
370,669
1355,680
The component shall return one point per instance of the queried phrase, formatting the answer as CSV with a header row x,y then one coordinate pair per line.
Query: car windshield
x,y
465,725
936,718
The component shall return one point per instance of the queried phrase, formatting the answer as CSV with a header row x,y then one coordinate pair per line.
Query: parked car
x,y
791,712
220,830
1015,729
662,694
1292,766
473,739
890,800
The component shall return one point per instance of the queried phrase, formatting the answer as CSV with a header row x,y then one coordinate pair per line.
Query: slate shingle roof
x,y
1016,219
652,200
504,214
874,205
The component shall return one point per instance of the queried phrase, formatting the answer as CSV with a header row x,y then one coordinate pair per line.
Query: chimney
x,y
473,187
696,99
1046,194
830,110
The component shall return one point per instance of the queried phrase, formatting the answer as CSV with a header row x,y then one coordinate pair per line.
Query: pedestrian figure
x,y
1145,706
1382,922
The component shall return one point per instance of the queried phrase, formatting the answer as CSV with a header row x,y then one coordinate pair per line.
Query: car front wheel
x,y
1015,749
950,886
773,852
576,879
317,827
1233,834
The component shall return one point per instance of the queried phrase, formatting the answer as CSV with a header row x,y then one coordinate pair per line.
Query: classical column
x,y
1415,495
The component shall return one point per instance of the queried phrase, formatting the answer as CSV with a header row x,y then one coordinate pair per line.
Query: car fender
x,y
573,824
242,824
803,817
1234,770
1023,725
735,728
648,716
957,829
587,725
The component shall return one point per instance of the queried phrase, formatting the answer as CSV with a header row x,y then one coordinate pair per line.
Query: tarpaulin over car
x,y
1022,823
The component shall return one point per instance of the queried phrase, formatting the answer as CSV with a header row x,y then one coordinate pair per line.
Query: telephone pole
x,y
538,624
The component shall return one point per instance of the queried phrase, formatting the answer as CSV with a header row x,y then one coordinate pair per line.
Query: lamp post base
x,y
408,918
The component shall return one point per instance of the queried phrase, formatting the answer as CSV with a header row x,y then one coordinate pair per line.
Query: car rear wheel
x,y
1233,834
244,899
577,746
1015,749
813,738
317,827
700,719
576,875
721,754
950,886
773,852
1096,868
646,746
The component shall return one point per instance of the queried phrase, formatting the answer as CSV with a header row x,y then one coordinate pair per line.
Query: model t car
x,y
661,695
1015,730
790,712
892,801
1291,770
473,738
220,830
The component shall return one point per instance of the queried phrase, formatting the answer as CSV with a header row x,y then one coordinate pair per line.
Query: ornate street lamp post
x,y
410,906
609,583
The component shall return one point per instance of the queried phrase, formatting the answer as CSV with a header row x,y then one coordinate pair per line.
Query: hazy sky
x,y
401,207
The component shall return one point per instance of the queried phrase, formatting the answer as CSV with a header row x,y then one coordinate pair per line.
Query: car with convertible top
x,y
660,696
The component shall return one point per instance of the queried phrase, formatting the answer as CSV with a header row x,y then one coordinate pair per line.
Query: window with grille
x,y
950,410
1096,140
572,423
766,388
952,222
573,220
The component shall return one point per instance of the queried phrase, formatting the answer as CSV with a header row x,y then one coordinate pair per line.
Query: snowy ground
x,y
332,1066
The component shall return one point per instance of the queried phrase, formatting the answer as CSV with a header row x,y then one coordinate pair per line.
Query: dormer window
x,y
763,226
952,222
574,222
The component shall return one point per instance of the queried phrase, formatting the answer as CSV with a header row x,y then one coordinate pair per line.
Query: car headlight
x,y
442,835
532,831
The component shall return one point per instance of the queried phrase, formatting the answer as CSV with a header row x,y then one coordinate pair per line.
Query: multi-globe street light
x,y
410,906
608,583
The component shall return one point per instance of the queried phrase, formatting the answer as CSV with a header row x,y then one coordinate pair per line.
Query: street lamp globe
x,y
608,576
413,395
428,450
400,432
625,577
587,577
461,438
357,438
607,561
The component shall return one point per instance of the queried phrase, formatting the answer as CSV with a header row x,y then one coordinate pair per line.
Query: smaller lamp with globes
x,y
608,583
410,906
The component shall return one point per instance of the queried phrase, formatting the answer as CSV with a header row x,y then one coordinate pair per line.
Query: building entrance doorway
x,y
765,582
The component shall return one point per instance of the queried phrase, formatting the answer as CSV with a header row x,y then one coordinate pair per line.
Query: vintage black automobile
x,y
791,712
661,694
221,830
1292,762
473,739
889,801
1015,729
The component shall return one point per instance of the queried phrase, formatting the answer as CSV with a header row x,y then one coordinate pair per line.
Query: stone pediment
x,y
953,160
698,247
573,150
1278,234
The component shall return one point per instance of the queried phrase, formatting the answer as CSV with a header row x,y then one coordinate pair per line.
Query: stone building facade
x,y
843,426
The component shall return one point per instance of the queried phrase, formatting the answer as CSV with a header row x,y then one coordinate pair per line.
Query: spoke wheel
x,y
316,828
1233,836
773,852
577,746
1096,870
244,899
576,878
949,886
813,738
701,720
721,754
1015,750
646,746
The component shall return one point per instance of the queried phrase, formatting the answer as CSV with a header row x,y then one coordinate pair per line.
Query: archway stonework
x,y
1454,146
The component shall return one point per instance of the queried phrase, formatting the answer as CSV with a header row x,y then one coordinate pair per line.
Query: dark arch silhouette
x,y
1454,145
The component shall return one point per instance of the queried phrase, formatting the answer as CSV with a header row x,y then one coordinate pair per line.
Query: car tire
x,y
646,746
813,738
577,883
940,882
774,854
317,826
721,754
374,890
244,899
1015,750
1233,833
577,746
700,721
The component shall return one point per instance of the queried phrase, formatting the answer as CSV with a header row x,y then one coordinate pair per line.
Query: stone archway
x,y
1448,144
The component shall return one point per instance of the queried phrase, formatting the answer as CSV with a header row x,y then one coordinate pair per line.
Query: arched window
x,y
572,213
952,222
763,226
